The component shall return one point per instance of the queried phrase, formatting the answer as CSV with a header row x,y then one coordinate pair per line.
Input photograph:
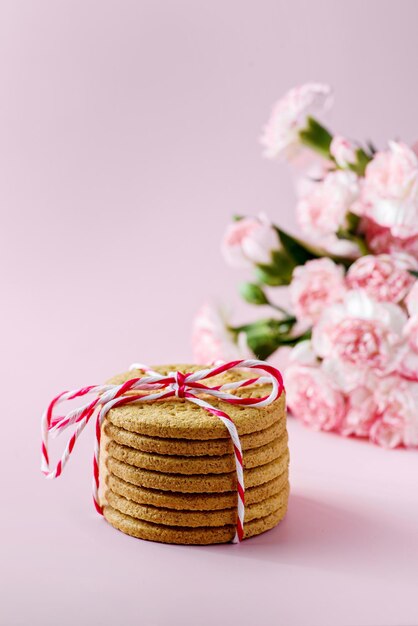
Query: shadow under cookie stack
x,y
167,468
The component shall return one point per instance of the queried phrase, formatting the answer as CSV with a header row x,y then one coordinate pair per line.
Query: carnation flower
x,y
412,300
312,398
303,353
343,151
361,412
315,286
211,339
389,194
384,277
249,241
323,210
360,332
408,360
380,240
397,420
411,333
281,134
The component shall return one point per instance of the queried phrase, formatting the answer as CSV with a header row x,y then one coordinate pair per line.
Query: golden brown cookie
x,y
168,517
184,447
183,535
199,464
197,483
195,501
180,418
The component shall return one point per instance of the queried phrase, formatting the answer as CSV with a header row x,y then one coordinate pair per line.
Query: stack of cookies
x,y
167,468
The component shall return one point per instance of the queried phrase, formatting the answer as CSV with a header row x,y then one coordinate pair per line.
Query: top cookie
x,y
180,418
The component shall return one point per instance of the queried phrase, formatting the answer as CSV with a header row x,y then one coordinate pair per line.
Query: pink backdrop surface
x,y
128,136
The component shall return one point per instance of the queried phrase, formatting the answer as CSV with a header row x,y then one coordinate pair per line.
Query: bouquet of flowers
x,y
352,323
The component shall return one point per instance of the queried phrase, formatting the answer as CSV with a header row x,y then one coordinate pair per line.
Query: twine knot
x,y
179,385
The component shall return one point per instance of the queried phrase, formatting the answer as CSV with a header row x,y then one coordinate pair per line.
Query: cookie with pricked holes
x,y
179,418
195,501
182,535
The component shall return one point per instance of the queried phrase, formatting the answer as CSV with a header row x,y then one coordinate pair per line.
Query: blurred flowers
x,y
248,241
360,331
385,277
389,194
213,341
284,132
315,286
325,210
343,151
352,319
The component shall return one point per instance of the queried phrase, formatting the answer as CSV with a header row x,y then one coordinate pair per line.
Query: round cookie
x,y
193,447
200,464
182,535
195,501
212,483
181,418
168,517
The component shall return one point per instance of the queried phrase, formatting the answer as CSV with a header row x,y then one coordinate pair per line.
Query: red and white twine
x,y
153,387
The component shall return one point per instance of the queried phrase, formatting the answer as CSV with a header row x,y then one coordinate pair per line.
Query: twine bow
x,y
151,388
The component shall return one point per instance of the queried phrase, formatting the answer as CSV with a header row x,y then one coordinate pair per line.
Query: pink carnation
x,y
281,134
411,333
248,241
408,365
312,398
389,194
386,433
360,332
396,419
383,277
343,151
412,300
380,240
211,339
315,286
361,412
323,210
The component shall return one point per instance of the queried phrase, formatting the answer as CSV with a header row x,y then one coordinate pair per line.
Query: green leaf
x,y
279,271
372,148
252,293
413,273
316,137
362,160
268,275
265,336
297,250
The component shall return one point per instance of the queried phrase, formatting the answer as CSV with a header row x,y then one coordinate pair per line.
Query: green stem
x,y
276,307
292,341
290,319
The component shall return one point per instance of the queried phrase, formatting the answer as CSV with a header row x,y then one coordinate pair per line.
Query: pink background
x,y
128,136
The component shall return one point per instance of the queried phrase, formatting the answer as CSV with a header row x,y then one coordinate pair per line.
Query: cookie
x,y
179,418
182,535
168,517
195,501
197,483
184,447
200,464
